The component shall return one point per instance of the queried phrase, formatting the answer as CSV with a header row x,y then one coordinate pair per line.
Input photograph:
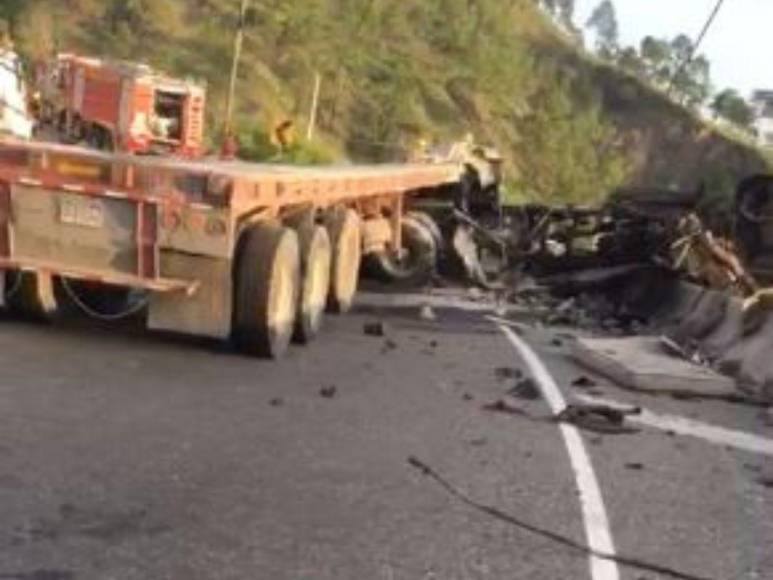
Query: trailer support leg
x,y
397,225
45,290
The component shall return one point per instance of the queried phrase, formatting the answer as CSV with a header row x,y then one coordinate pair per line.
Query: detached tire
x,y
345,231
317,257
266,289
418,262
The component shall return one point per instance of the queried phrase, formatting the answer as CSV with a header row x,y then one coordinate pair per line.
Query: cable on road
x,y
496,513
131,310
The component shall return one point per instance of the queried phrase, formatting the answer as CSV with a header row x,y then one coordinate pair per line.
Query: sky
x,y
739,44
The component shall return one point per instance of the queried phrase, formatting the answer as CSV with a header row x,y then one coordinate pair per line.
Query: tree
x,y
691,81
681,50
628,59
730,106
656,55
603,20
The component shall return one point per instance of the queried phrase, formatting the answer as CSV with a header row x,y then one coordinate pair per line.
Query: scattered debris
x,y
682,396
479,442
689,351
634,466
526,389
583,382
506,373
503,406
427,313
598,418
378,328
278,402
475,294
765,481
557,342
389,345
467,397
328,392
433,344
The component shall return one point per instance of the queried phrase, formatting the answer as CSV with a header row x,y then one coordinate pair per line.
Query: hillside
x,y
397,71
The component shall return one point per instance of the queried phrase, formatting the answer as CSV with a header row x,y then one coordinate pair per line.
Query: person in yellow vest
x,y
283,135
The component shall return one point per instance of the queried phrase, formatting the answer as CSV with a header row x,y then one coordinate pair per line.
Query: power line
x,y
707,26
694,48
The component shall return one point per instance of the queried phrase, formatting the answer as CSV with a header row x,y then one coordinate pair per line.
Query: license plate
x,y
81,211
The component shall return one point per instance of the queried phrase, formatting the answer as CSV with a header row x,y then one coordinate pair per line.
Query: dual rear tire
x,y
267,286
285,279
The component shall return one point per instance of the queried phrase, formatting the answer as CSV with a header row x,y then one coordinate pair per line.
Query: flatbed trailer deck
x,y
225,249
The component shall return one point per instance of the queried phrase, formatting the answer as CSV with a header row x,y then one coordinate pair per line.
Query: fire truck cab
x,y
123,107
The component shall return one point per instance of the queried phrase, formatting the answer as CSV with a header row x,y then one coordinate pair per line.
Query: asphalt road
x,y
126,455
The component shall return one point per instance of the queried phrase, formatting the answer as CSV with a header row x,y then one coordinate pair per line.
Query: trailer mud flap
x,y
206,312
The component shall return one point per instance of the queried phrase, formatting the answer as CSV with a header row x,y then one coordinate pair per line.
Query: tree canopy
x,y
732,107
603,21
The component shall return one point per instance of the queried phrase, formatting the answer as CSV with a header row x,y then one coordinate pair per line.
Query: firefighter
x,y
283,135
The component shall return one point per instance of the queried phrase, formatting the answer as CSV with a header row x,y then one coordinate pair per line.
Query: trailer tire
x,y
432,226
345,231
316,260
418,265
266,288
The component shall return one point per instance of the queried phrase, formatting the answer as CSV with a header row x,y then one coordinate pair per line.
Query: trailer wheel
x,y
316,258
432,226
417,263
266,288
346,237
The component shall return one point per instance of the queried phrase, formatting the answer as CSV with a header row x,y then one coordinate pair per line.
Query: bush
x,y
255,144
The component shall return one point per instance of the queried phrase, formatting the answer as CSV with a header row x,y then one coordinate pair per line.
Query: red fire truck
x,y
123,107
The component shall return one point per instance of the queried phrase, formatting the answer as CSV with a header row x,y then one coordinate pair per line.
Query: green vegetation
x,y
730,106
394,72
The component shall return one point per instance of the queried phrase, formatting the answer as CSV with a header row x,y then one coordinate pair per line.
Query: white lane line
x,y
684,426
373,299
597,530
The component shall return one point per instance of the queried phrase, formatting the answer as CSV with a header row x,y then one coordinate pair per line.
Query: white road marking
x,y
684,426
417,300
597,529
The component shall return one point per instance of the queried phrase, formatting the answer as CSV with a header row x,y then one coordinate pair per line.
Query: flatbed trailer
x,y
225,249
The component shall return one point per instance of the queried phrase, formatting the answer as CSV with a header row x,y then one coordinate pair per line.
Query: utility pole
x,y
238,43
314,107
